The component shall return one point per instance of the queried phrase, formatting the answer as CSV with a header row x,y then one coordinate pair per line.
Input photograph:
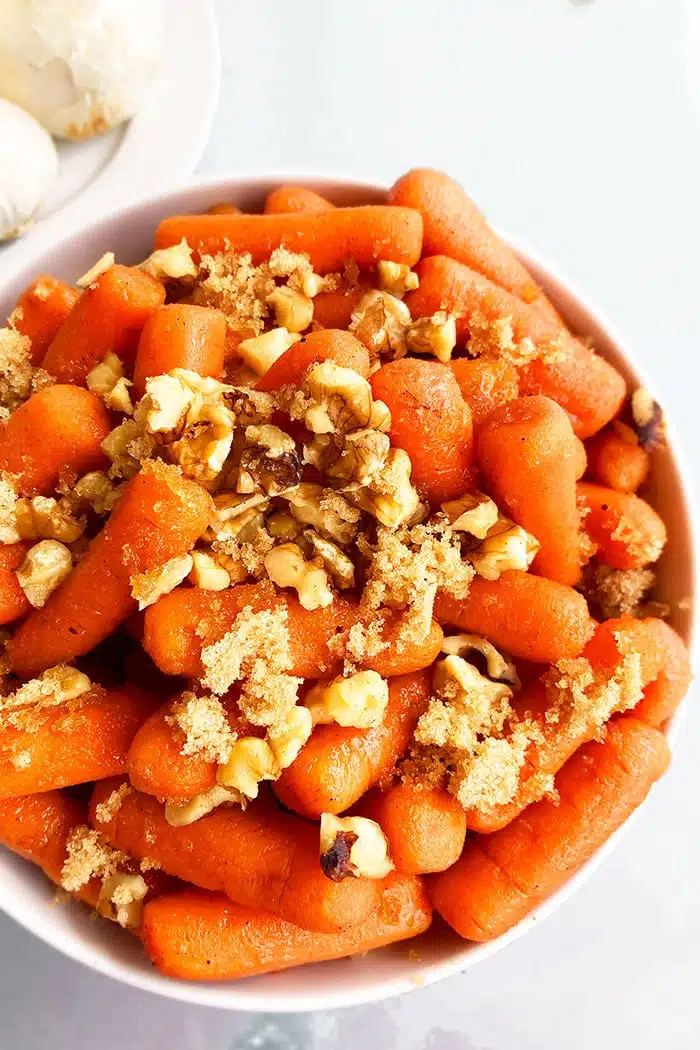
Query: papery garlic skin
x,y
28,169
80,67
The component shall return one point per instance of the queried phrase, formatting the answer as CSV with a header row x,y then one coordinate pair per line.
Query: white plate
x,y
158,148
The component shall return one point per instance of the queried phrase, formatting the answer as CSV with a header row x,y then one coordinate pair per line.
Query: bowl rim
x,y
235,995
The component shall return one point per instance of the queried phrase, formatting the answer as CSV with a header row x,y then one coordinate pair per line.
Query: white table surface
x,y
577,127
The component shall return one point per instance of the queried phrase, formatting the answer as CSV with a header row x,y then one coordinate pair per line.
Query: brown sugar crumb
x,y
203,721
8,499
107,810
233,285
616,592
148,864
407,566
365,640
88,855
21,760
496,338
15,368
26,707
644,551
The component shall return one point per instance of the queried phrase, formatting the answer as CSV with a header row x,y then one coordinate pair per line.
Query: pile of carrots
x,y
241,891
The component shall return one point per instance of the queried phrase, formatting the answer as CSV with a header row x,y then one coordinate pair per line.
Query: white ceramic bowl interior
x,y
26,895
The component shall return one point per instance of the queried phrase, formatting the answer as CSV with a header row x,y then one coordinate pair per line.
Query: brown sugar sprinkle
x,y
27,706
645,552
8,499
89,855
107,810
16,370
616,592
202,720
497,339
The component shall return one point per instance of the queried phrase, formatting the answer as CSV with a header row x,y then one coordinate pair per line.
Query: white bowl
x,y
27,896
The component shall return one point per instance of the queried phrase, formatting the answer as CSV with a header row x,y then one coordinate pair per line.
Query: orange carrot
x,y
485,383
454,226
431,421
581,458
335,309
160,516
41,310
530,617
37,828
330,344
70,743
108,317
365,235
527,451
586,386
401,656
500,878
60,427
181,336
288,199
157,765
199,936
628,533
13,601
260,857
425,827
337,765
616,459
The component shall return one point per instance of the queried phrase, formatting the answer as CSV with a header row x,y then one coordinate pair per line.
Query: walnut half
x,y
353,847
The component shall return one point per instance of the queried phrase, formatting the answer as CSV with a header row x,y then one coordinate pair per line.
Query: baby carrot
x,y
402,656
160,516
335,309
108,317
260,857
199,936
13,601
366,235
337,765
157,766
37,828
581,458
287,199
530,617
628,533
485,383
501,877
41,310
70,743
527,452
454,226
180,336
330,344
425,827
616,459
431,421
585,385
59,427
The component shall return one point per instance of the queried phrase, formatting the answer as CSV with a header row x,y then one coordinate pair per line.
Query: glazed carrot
x,y
13,601
335,309
366,235
337,765
60,427
37,828
530,617
71,743
431,421
527,452
581,458
401,656
585,385
454,226
260,857
199,936
616,459
287,199
180,336
485,383
157,766
41,310
500,878
425,827
628,533
330,344
160,516
108,317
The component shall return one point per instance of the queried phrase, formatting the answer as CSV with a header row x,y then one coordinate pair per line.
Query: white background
x,y
577,127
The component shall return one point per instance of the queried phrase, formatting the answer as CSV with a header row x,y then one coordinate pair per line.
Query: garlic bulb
x,y
28,169
79,66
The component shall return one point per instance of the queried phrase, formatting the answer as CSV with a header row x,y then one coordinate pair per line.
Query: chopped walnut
x,y
108,381
436,335
104,263
56,685
287,567
342,401
389,495
148,587
172,263
270,462
46,565
506,546
498,667
121,899
474,513
287,737
94,490
43,518
179,815
396,278
251,761
380,321
261,352
648,419
359,700
336,563
326,511
353,847
207,573
362,455
294,311
127,446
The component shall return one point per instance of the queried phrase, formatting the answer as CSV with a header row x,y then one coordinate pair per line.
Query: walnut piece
x,y
294,311
499,667
359,700
179,815
121,899
353,847
43,518
396,278
251,761
436,335
380,321
207,573
108,381
474,513
174,263
287,737
148,587
287,567
46,565
506,546
261,352
342,401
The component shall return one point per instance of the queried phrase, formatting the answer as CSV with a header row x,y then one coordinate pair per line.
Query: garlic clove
x,y
28,169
